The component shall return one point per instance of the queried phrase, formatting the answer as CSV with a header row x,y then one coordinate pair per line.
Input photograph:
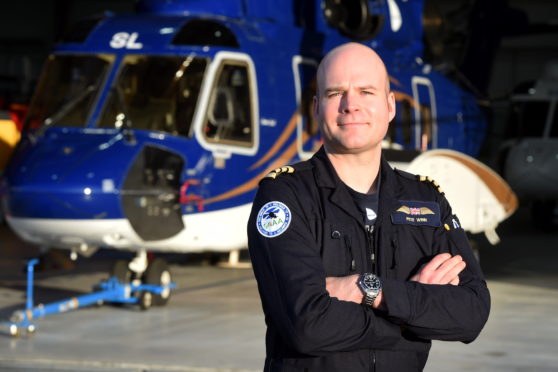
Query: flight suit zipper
x,y
371,245
372,250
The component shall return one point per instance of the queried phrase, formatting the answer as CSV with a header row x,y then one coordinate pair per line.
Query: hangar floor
x,y
214,322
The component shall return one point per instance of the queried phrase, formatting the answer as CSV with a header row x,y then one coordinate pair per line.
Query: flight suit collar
x,y
391,192
389,188
326,175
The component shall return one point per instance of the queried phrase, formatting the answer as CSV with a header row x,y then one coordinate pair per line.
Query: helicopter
x,y
149,132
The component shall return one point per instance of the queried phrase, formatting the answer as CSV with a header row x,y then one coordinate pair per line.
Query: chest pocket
x,y
411,247
337,249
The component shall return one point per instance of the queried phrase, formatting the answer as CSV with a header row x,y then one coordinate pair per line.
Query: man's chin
x,y
352,148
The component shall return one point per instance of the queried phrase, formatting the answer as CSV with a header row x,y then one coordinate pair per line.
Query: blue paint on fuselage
x,y
48,177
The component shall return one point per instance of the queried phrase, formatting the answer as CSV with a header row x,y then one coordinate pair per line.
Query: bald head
x,y
353,104
345,56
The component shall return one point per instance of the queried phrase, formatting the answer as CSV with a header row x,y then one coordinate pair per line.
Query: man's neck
x,y
358,171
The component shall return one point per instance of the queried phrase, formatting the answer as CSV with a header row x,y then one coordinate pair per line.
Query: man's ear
x,y
391,105
315,105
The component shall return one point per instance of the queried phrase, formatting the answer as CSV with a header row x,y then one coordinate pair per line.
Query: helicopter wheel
x,y
14,331
158,273
146,300
121,271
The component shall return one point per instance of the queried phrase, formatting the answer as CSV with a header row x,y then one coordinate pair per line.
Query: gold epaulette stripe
x,y
434,183
274,173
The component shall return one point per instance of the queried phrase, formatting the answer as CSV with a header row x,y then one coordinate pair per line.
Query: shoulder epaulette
x,y
274,173
434,183
416,177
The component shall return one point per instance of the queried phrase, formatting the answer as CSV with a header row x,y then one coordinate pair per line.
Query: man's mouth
x,y
352,123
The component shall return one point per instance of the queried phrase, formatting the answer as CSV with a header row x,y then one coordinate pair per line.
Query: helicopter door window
x,y
406,121
156,93
426,126
425,114
221,114
229,114
401,127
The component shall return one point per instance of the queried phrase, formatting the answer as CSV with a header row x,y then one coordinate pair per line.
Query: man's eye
x,y
367,92
333,94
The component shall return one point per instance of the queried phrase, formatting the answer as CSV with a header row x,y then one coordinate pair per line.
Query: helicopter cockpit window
x,y
67,90
155,93
229,115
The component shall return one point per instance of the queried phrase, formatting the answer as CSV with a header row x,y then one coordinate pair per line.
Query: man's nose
x,y
349,102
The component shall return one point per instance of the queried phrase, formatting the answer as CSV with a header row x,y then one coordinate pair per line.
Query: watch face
x,y
371,282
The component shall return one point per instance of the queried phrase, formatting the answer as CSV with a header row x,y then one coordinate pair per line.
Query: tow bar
x,y
111,290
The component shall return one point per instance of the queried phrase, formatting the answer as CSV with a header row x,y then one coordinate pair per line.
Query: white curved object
x,y
478,195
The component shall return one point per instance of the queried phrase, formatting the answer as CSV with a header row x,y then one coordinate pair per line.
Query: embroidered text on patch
x,y
418,213
273,219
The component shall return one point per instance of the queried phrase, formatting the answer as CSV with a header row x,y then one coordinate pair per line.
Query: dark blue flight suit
x,y
305,227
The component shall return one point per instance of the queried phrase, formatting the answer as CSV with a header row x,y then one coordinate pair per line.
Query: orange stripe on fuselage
x,y
291,125
400,96
394,81
283,159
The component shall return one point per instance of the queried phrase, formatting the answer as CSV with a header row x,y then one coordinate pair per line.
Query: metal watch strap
x,y
369,298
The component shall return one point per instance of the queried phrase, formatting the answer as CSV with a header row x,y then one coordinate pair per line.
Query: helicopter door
x,y
150,194
227,119
304,71
426,126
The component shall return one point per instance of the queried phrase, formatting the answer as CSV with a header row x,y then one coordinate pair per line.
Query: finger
x,y
453,273
427,272
455,281
440,275
436,261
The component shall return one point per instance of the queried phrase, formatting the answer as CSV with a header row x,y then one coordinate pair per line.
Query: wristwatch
x,y
371,286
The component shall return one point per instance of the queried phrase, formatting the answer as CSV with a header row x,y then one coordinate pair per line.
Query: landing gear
x,y
121,271
139,271
145,300
158,273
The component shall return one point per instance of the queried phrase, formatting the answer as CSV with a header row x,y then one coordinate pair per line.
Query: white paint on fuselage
x,y
396,20
220,231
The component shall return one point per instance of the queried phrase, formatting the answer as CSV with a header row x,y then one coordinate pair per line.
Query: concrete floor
x,y
213,321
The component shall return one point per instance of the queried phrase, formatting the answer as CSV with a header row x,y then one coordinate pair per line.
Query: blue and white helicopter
x,y
149,132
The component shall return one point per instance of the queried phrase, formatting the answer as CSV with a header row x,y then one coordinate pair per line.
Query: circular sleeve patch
x,y
273,219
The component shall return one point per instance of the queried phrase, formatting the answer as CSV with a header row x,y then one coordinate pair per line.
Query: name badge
x,y
417,213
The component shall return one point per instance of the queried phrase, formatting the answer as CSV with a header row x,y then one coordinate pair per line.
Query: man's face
x,y
353,105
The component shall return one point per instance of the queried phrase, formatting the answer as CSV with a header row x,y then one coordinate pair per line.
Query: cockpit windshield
x,y
155,93
67,90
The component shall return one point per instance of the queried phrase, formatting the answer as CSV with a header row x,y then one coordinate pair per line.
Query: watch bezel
x,y
371,282
371,285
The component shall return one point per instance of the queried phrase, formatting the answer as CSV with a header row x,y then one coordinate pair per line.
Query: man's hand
x,y
442,269
346,288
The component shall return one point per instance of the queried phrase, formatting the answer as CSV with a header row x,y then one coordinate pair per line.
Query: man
x,y
359,266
